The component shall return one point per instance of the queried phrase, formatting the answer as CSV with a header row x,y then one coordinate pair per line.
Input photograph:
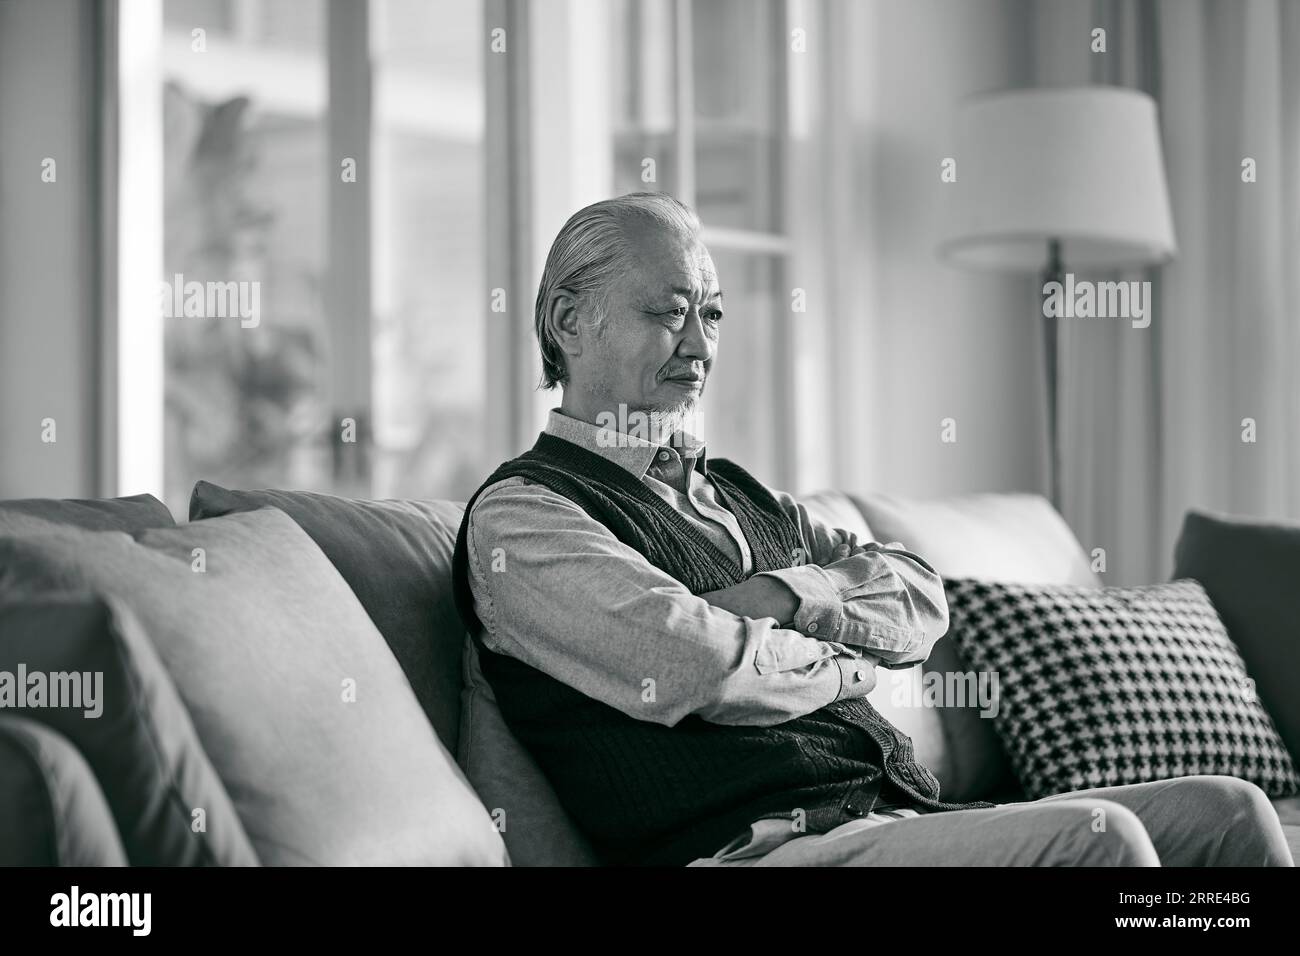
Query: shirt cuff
x,y
857,677
821,611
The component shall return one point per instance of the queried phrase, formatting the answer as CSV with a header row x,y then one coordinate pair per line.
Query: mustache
x,y
688,372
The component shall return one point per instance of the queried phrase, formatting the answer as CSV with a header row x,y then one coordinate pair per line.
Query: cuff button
x,y
812,628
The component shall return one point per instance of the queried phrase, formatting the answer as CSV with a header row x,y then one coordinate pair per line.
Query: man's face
x,y
660,334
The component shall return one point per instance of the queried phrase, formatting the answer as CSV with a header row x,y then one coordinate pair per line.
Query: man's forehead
x,y
701,281
671,263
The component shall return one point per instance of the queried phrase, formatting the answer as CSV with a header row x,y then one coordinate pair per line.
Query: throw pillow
x,y
396,557
34,515
52,812
297,700
1106,686
169,805
536,828
1250,569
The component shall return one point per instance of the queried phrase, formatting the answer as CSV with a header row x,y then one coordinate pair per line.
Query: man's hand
x,y
849,549
852,548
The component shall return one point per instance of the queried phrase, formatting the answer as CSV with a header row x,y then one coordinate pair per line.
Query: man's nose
x,y
695,343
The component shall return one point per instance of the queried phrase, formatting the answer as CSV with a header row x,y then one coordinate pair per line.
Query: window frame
x,y
776,243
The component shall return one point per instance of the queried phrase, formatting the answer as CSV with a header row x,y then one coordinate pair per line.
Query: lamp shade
x,y
1082,165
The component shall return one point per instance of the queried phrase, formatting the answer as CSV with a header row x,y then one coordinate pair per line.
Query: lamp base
x,y
1053,271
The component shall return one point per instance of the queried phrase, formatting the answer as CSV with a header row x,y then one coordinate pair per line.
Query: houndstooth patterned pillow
x,y
1105,686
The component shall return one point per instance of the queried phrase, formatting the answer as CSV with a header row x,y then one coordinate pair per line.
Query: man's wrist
x,y
818,610
857,677
783,601
758,596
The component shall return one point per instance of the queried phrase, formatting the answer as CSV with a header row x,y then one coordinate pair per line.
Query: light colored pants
x,y
1189,821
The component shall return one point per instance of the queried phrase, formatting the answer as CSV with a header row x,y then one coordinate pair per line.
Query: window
x,y
700,106
380,176
245,156
428,338
332,157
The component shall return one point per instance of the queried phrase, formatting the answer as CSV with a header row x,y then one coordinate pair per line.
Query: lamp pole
x,y
1053,271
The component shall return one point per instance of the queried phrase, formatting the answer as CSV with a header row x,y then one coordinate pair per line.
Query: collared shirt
x,y
557,590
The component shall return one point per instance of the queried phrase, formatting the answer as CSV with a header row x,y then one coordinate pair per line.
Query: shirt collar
x,y
630,452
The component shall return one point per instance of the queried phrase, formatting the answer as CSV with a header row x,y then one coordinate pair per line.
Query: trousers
x,y
1202,820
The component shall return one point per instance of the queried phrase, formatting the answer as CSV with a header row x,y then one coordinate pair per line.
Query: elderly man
x,y
686,653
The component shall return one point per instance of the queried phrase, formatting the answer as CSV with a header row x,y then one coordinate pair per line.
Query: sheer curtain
x,y
1153,420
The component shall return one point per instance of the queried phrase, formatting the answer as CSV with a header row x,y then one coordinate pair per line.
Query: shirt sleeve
x,y
557,590
887,600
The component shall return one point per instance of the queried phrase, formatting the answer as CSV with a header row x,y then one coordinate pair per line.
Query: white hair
x,y
588,253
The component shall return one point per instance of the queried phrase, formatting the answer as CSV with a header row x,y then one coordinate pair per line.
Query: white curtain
x,y
1152,420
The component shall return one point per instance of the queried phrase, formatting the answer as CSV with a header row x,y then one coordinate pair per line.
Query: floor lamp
x,y
1050,177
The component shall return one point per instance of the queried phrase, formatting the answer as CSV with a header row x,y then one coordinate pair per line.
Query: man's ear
x,y
562,322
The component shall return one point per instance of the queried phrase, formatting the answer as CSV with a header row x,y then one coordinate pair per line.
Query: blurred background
x,y
215,139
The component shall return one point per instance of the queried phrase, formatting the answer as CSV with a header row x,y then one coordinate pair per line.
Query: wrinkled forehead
x,y
663,260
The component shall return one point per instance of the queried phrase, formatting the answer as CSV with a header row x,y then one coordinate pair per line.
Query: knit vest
x,y
645,793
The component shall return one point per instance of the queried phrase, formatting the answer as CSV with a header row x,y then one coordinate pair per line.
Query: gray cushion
x,y
396,557
535,826
140,743
52,812
28,515
1251,569
297,700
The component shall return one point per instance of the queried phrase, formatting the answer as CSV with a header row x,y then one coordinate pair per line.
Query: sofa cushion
x,y
396,557
1250,569
296,698
994,537
33,515
1109,686
838,510
536,829
134,733
52,812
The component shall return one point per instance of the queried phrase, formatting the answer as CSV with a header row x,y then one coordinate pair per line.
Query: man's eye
x,y
679,312
714,315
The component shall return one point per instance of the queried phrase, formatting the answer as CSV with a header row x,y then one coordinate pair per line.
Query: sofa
x,y
285,681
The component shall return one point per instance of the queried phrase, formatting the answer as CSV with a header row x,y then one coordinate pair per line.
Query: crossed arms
x,y
558,591
763,595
